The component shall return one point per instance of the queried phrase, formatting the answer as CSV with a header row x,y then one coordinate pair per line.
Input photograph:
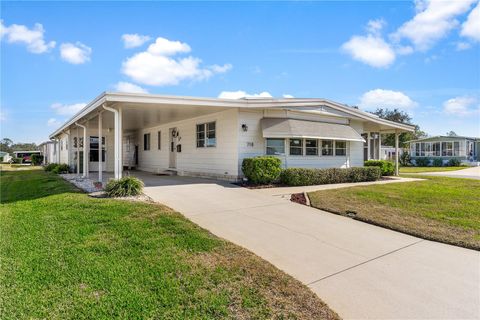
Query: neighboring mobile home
x,y
26,155
210,137
48,151
465,149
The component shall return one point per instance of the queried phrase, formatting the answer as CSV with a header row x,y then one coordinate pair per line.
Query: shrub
x,y
1,159
454,162
422,162
16,160
405,159
50,166
124,187
437,162
387,167
37,159
61,168
305,177
262,170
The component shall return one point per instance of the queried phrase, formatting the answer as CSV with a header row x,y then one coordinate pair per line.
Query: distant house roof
x,y
444,137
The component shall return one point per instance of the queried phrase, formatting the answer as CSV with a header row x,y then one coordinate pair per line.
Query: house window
x,y
206,135
456,148
61,144
296,147
146,141
447,149
93,153
340,148
159,140
417,149
275,146
311,147
327,147
436,149
428,149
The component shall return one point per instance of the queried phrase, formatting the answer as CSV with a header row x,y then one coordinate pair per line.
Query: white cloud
x,y
67,109
77,53
463,46
32,38
53,122
129,88
242,94
288,96
380,98
433,20
471,27
375,26
157,66
370,49
461,106
134,40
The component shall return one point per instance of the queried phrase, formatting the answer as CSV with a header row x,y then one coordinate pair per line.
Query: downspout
x,y
84,153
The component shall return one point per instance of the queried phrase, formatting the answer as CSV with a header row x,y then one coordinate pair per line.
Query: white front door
x,y
173,148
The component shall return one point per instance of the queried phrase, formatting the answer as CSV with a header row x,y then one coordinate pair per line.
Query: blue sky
x,y
422,56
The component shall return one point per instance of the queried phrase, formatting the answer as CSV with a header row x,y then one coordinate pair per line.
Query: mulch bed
x,y
299,198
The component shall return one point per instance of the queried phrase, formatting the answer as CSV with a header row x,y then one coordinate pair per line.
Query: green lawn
x,y
64,255
429,169
438,208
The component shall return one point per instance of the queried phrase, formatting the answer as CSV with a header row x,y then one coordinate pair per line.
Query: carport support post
x,y
78,153
379,145
118,140
396,153
85,173
100,147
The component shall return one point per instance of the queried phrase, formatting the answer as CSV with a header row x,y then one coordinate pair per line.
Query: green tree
x,y
6,145
397,115
452,134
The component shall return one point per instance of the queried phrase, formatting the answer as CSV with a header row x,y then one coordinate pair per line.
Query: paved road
x,y
361,271
470,173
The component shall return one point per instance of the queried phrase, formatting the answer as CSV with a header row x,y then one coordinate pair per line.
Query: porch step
x,y
167,173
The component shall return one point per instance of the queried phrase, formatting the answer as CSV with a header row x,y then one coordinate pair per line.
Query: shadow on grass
x,y
31,184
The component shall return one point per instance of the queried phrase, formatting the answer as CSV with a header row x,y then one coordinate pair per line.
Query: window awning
x,y
292,128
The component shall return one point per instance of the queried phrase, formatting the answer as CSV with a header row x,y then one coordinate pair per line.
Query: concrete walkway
x,y
361,271
469,173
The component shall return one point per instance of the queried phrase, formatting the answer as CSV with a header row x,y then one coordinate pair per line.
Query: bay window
x,y
327,147
296,147
340,148
311,147
275,146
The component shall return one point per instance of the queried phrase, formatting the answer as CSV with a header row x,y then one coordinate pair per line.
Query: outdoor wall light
x,y
244,127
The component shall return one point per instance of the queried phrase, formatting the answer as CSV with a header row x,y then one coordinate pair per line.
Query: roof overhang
x,y
262,103
293,128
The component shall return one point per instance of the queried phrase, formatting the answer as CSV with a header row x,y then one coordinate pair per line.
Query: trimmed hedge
x,y
61,168
37,159
437,162
307,177
262,170
454,162
387,167
422,162
50,167
124,187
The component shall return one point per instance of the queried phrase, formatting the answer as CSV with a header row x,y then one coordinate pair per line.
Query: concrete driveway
x,y
469,173
361,271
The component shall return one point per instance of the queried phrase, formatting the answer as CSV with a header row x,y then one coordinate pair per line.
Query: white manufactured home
x,y
210,137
